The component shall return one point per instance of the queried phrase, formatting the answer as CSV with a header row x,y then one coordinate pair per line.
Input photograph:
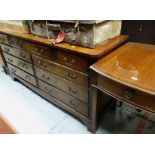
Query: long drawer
x,y
127,94
40,50
65,85
19,63
4,39
71,60
27,77
64,97
17,52
65,72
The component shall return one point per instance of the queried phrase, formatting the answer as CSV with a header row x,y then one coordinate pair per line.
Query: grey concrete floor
x,y
29,113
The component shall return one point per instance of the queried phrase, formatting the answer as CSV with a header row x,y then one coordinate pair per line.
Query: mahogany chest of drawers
x,y
59,73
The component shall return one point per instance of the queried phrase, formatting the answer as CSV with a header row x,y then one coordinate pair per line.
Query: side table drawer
x,y
65,85
64,98
19,63
40,50
4,39
65,72
71,60
16,52
27,77
127,94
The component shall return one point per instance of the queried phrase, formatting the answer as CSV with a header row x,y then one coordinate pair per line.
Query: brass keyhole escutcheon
x,y
128,94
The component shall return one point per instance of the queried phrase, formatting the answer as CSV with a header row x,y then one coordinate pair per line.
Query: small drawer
x,y
127,94
19,63
69,87
4,39
16,52
64,97
27,77
64,72
40,50
71,60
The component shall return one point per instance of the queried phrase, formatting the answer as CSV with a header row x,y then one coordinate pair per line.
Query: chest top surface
x,y
87,52
132,64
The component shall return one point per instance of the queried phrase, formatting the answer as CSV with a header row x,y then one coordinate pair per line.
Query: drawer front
x,y
64,97
40,50
127,94
64,72
27,77
4,39
16,52
65,85
19,63
71,60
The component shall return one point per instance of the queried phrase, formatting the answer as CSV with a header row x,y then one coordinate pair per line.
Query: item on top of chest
x,y
87,33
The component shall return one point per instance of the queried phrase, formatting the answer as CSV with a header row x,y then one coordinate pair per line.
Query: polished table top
x,y
133,64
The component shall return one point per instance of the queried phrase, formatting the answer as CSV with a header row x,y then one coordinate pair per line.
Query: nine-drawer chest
x,y
59,73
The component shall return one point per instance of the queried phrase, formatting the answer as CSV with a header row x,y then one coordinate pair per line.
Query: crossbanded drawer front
x,y
4,39
19,63
27,77
17,52
71,60
127,94
65,85
64,72
40,50
64,97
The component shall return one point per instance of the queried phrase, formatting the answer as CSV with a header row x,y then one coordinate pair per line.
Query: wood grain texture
x,y
132,64
16,52
62,71
93,53
71,88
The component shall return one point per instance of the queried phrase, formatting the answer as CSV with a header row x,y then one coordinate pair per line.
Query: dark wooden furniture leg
x,y
94,97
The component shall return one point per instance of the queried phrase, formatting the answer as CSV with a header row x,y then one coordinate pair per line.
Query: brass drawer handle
x,y
75,104
41,51
13,71
74,92
44,77
42,64
72,76
10,60
69,62
128,94
50,91
22,55
6,49
18,43
25,66
28,77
